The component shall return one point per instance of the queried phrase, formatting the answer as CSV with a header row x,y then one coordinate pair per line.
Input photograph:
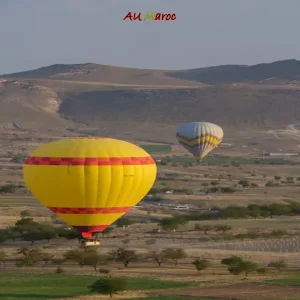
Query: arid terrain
x,y
259,114
181,180
257,106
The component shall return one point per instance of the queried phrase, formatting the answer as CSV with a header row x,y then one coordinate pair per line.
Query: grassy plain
x,y
52,286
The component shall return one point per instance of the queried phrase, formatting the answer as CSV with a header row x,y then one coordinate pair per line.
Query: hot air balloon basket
x,y
89,243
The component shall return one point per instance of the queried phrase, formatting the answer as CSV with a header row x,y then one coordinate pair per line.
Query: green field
x,y
157,148
53,286
170,298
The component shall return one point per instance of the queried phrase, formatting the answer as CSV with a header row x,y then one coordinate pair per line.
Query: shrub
x,y
108,285
174,254
244,183
123,255
277,264
227,189
201,264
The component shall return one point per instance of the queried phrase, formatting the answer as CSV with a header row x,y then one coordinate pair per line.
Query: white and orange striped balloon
x,y
199,138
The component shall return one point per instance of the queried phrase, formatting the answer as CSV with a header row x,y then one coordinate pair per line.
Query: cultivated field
x,y
208,187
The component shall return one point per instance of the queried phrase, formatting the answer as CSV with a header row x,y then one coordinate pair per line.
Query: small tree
x,y
48,231
248,267
123,255
90,257
75,255
158,256
227,189
108,286
255,212
204,228
236,265
233,262
277,264
33,235
174,254
223,228
169,224
69,234
201,264
93,258
25,213
125,221
30,257
47,257
244,183
25,224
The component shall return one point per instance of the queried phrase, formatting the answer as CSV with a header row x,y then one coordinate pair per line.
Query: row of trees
x,y
235,265
174,223
233,212
240,212
250,211
225,163
260,211
29,230
216,187
91,257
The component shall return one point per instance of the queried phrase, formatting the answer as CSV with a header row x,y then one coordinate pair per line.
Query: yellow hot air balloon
x,y
199,138
89,182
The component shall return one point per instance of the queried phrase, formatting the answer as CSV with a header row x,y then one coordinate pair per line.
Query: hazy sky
x,y
36,33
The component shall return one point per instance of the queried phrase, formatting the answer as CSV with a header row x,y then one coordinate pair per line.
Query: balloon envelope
x,y
199,138
89,182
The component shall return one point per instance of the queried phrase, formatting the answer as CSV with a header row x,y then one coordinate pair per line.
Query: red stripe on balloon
x,y
96,228
86,210
89,161
88,232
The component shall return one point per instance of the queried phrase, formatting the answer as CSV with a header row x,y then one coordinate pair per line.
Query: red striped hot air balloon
x,y
89,182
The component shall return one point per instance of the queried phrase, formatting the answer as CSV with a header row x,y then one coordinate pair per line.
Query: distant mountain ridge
x,y
285,70
247,101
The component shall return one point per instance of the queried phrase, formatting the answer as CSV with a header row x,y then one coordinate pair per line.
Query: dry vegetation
x,y
199,185
82,100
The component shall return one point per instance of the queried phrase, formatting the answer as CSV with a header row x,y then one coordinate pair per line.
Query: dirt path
x,y
290,130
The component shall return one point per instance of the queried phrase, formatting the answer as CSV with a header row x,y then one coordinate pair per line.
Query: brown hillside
x,y
149,105
235,109
31,105
285,70
279,71
102,73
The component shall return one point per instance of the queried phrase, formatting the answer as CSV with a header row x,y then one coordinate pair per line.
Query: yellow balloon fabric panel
x,y
89,183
